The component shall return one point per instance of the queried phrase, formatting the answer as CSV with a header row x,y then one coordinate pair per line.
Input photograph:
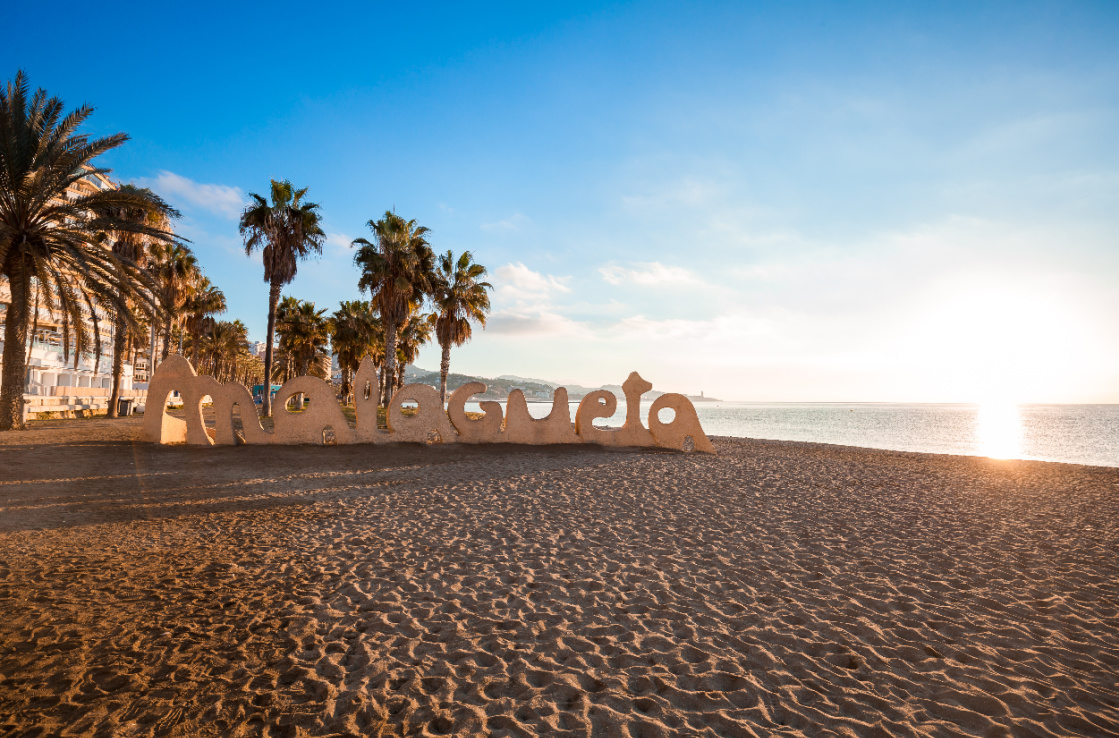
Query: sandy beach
x,y
778,588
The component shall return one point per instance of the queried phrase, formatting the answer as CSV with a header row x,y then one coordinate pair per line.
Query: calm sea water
x,y
1079,434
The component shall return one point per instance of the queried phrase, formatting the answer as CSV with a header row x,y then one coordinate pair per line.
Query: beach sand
x,y
778,588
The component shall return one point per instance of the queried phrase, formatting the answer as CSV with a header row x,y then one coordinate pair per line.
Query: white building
x,y
68,387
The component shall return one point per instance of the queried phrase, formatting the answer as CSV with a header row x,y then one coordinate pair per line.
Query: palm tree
x,y
54,239
287,230
283,363
130,245
355,331
176,270
459,298
204,302
304,335
248,369
224,344
415,333
397,271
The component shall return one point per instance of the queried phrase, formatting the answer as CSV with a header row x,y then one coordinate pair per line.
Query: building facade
x,y
69,385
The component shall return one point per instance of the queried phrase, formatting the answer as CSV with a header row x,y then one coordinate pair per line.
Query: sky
x,y
787,201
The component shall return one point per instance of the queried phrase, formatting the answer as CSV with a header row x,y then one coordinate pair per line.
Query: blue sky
x,y
782,201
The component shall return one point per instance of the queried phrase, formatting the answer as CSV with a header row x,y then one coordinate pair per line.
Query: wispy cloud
x,y
219,199
512,223
338,244
649,274
542,325
686,192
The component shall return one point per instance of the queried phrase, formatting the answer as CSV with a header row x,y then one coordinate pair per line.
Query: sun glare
x,y
1000,430
993,343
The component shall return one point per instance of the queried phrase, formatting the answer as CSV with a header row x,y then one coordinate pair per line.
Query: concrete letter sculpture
x,y
429,423
429,418
309,425
602,404
177,375
365,404
232,394
520,427
684,424
485,430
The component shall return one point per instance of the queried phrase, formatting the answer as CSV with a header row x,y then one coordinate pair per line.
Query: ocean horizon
x,y
1073,434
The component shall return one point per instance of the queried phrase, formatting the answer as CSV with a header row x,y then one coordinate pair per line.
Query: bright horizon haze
x,y
874,202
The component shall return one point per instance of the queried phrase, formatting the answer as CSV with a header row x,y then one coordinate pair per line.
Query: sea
x,y
1076,434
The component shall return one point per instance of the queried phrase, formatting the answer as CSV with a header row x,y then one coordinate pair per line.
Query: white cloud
x,y
523,304
687,192
649,274
338,243
518,284
219,199
512,223
544,324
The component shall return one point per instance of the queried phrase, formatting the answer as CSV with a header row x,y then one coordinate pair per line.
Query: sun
x,y
988,342
999,430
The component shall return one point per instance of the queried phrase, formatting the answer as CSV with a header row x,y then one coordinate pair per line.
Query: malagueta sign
x,y
428,424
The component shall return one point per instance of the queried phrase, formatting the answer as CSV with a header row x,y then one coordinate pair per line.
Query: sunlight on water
x,y
1000,431
1073,434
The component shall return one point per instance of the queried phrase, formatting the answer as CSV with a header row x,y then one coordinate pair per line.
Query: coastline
x,y
780,586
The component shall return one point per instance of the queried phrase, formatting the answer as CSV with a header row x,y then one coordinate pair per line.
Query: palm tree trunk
x,y
382,386
346,385
14,377
120,332
166,336
273,299
151,356
444,370
390,359
31,338
194,348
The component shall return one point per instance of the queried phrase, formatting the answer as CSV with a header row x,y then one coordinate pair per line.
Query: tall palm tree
x,y
397,271
287,230
54,239
130,245
460,298
205,301
355,329
176,270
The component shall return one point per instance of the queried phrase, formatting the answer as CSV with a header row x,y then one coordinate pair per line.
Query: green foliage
x,y
58,241
460,298
304,340
397,271
286,230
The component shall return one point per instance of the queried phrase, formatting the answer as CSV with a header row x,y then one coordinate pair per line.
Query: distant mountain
x,y
498,388
412,372
515,378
